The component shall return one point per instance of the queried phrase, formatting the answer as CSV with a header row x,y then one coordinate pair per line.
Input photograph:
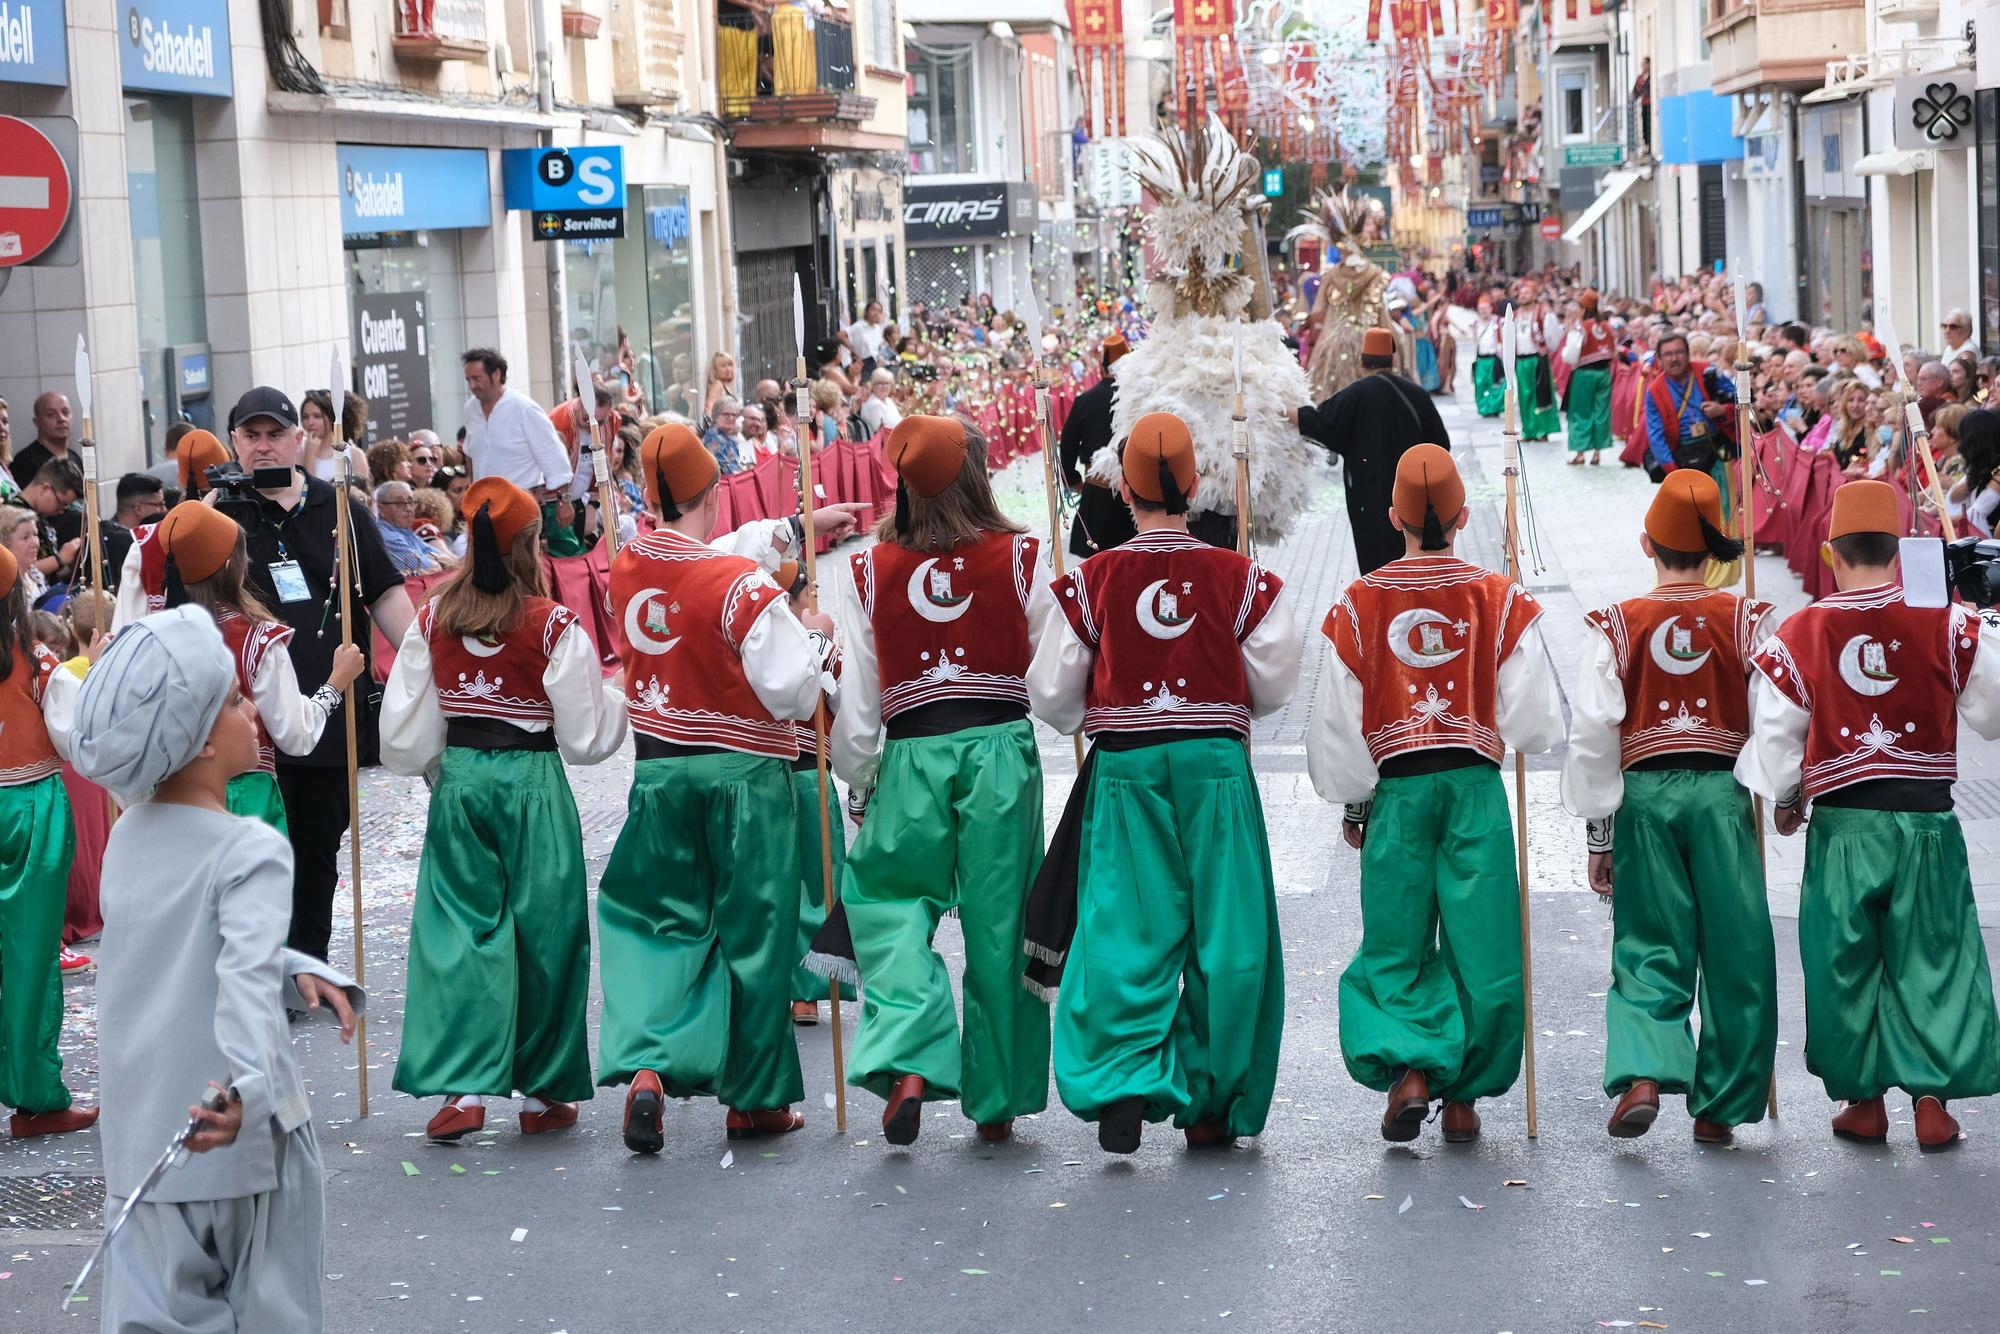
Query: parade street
x,y
1316,1225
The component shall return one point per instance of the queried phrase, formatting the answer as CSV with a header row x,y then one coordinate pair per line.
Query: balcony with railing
x,y
788,80
1779,43
432,31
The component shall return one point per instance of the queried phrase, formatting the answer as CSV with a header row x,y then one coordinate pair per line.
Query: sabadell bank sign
x,y
176,46
33,44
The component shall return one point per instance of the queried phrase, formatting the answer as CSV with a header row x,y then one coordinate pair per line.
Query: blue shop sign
x,y
34,45
175,46
1483,219
385,189
542,180
194,374
667,224
1695,129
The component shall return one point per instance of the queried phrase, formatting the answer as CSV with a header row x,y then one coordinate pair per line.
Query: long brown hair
x,y
224,591
963,512
464,608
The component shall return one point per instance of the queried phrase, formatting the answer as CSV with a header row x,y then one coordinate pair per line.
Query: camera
x,y
239,488
1972,569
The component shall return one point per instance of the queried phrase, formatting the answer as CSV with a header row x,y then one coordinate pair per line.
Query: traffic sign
x,y
1594,155
35,193
1552,229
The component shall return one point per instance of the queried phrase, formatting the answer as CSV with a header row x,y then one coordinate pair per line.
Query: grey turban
x,y
148,705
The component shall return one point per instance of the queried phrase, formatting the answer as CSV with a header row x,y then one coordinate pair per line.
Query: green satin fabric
x,y
1898,990
255,796
1436,984
1489,386
37,844
1174,990
1536,423
807,985
1689,920
955,823
697,932
1590,408
499,979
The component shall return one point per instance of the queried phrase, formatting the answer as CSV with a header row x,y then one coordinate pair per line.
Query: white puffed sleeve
x,y
785,663
295,721
412,719
1059,675
1271,655
1337,757
1772,764
1528,710
1593,783
589,711
857,728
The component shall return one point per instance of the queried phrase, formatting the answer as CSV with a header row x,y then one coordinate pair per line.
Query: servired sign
x,y
35,192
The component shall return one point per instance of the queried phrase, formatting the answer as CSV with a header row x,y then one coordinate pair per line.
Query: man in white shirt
x,y
879,411
864,336
506,433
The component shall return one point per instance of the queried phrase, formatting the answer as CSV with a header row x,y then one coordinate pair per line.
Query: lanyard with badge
x,y
288,577
1693,430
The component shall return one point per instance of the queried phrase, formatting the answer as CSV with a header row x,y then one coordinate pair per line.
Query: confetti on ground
x,y
972,1271
1404,1207
1059,1205
1513,1183
728,1159
520,1234
829,1097
1469,1204
457,1170
1717,1273
1754,1282
1374,1197
410,1170
1892,1273
1904,1241
1940,1241
1701,1234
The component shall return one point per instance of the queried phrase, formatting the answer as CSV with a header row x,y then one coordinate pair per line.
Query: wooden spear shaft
x,y
806,438
343,552
1512,461
1045,422
1746,529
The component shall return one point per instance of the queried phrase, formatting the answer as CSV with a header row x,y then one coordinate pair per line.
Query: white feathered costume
x,y
1205,187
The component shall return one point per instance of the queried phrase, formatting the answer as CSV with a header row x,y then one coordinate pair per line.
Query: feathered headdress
x,y
1205,188
1335,215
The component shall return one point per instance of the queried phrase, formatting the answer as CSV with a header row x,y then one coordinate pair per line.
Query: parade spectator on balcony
x,y
879,411
1642,100
507,434
722,384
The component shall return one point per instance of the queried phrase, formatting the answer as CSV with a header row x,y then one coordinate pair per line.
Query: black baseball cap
x,y
264,401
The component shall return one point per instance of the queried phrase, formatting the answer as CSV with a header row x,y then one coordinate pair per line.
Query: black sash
x,y
493,734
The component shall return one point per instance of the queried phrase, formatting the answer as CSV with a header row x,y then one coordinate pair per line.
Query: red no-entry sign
x,y
1552,229
35,194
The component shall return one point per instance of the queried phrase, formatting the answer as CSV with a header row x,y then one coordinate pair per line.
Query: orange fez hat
x,y
1864,507
197,453
1378,343
1113,347
508,508
677,467
1429,494
1159,460
927,452
789,576
1686,500
198,540
10,570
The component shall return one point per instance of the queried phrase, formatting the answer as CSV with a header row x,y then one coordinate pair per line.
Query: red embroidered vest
x,y
249,642
1881,680
498,678
1683,653
26,753
1598,344
951,626
683,611
1426,639
1166,615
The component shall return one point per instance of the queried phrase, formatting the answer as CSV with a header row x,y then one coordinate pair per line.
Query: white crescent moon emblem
x,y
1666,661
1399,638
636,634
1149,620
1857,680
478,649
921,603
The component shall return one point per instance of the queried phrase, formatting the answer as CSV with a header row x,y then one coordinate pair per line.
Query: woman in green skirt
x,y
205,564
494,687
1589,348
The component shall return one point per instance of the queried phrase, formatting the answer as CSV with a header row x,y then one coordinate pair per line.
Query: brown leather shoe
x,y
557,1116
805,1013
1636,1110
454,1122
1210,1134
645,1109
997,1132
1712,1132
1461,1123
27,1125
903,1117
1937,1130
771,1121
1865,1122
1409,1104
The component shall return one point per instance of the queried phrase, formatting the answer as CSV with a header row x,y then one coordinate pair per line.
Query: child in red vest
x,y
1660,713
1433,667
1854,712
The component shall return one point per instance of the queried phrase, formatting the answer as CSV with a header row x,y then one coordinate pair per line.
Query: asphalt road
x,y
1318,1225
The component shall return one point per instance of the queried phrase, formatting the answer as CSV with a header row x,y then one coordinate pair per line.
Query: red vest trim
x,y
1598,344
1683,654
153,570
1166,615
952,625
26,753
1880,680
249,643
498,678
683,611
1425,638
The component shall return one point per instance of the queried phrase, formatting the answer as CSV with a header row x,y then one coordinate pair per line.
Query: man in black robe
x,y
1367,426
1102,520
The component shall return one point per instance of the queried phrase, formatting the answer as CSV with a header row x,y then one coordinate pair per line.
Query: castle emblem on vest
x,y
1673,647
1864,665
1159,610
931,595
646,621
1420,638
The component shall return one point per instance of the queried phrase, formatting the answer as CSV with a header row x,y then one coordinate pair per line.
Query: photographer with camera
x,y
288,522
